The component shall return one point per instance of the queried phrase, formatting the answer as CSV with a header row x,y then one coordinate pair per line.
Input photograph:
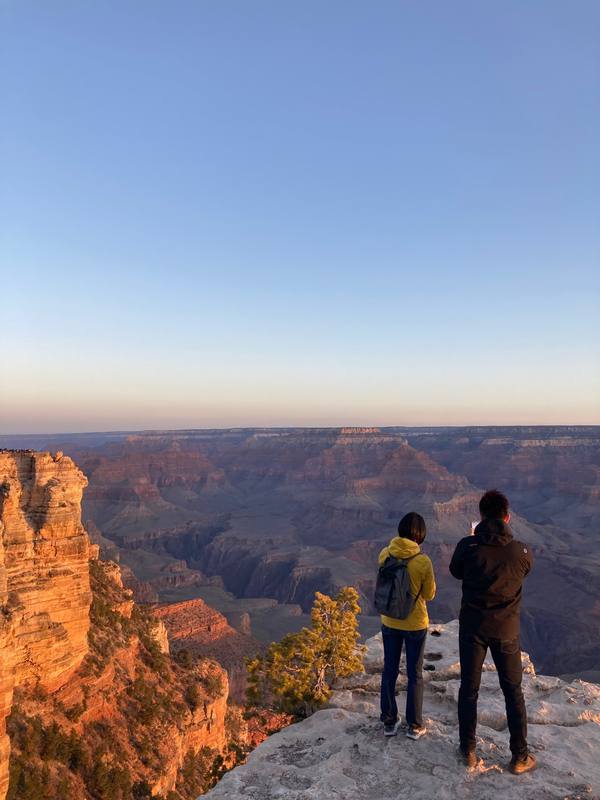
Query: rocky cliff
x,y
44,579
194,626
340,752
131,720
193,619
91,702
45,553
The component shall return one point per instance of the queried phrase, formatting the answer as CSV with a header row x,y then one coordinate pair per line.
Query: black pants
x,y
507,658
414,641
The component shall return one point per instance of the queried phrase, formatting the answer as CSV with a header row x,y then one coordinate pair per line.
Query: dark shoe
x,y
416,731
390,729
520,765
468,758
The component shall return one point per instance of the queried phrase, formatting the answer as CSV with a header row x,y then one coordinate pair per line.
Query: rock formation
x,y
194,626
136,714
44,580
82,665
46,552
7,644
341,751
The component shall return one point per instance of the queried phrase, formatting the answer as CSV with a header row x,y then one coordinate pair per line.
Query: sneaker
x,y
519,765
468,757
416,731
390,729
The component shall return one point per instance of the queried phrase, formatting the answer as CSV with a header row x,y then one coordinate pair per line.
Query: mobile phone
x,y
473,526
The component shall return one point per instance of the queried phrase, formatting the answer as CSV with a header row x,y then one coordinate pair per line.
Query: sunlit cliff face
x,y
44,579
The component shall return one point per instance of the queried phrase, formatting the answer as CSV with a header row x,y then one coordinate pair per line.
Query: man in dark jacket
x,y
492,566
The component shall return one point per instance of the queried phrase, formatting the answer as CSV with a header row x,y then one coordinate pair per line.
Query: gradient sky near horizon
x,y
306,213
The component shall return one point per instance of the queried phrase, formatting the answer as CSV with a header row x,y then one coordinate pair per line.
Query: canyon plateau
x,y
254,521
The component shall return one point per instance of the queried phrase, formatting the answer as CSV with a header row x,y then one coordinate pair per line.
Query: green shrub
x,y
197,774
144,696
213,684
297,673
141,791
192,696
28,781
184,658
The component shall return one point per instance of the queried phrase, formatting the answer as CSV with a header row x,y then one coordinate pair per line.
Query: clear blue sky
x,y
240,213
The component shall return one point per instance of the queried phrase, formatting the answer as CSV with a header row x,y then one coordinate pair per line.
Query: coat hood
x,y
494,532
400,547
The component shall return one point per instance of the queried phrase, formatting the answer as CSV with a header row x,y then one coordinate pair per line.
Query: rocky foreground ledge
x,y
341,752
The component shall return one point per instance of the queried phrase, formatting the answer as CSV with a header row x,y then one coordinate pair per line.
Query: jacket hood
x,y
400,547
494,532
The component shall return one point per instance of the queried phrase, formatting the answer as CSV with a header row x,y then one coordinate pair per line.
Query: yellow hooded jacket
x,y
420,572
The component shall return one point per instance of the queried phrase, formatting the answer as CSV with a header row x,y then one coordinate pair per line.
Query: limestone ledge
x,y
340,752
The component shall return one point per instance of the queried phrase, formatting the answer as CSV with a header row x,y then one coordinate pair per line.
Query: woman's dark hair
x,y
493,505
412,526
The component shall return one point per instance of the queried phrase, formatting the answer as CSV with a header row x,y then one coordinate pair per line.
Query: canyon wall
x,y
194,626
44,579
293,508
45,553
7,649
81,662
277,514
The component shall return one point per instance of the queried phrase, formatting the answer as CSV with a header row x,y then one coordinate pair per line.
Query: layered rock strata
x,y
279,514
194,626
88,667
340,752
127,692
7,652
193,619
44,578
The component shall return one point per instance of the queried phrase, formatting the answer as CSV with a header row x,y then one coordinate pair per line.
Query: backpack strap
x,y
406,560
388,561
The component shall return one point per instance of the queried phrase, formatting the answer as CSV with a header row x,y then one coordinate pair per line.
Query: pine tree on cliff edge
x,y
296,674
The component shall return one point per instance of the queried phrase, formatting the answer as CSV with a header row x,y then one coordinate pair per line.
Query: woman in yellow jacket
x,y
410,631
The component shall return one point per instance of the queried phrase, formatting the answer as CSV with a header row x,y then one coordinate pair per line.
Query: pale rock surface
x,y
340,753
161,636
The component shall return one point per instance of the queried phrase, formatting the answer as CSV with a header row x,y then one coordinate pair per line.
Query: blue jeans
x,y
414,642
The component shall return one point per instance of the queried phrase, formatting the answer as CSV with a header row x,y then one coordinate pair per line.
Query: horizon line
x,y
128,431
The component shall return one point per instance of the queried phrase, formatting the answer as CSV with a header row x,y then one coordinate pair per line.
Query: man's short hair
x,y
493,505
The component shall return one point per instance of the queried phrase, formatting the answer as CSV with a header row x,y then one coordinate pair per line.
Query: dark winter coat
x,y
492,566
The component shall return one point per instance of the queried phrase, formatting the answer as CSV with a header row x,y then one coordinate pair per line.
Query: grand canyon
x,y
253,521
119,679
276,275
138,570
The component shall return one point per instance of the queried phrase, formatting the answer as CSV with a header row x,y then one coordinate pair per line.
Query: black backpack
x,y
392,590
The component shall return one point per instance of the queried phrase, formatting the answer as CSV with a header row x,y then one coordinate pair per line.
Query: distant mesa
x,y
359,431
